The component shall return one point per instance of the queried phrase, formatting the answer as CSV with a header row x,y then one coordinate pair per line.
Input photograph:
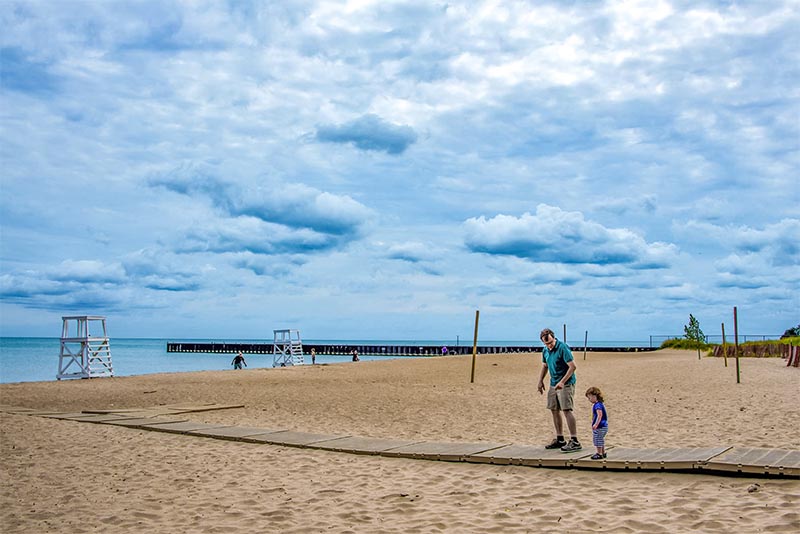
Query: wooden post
x,y
475,346
585,341
736,344
724,346
565,334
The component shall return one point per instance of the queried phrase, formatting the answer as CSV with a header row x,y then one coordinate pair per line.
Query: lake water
x,y
27,359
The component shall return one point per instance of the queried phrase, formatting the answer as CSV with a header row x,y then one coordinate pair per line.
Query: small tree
x,y
792,332
693,331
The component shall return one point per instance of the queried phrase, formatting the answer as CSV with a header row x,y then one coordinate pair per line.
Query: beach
x,y
66,476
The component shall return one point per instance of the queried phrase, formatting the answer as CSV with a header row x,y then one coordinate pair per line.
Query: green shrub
x,y
792,332
690,344
684,344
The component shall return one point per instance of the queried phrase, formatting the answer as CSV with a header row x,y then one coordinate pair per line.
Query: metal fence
x,y
656,341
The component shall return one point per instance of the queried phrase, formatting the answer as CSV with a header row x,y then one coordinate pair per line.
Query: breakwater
x,y
376,350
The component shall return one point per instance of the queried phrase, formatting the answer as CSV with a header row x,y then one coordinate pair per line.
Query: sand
x,y
65,476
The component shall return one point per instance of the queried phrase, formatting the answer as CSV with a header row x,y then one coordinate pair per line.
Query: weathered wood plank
x,y
291,438
233,433
757,461
181,427
359,445
450,452
529,455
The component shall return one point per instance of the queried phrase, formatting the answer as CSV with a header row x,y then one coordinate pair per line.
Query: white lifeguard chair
x,y
287,348
83,354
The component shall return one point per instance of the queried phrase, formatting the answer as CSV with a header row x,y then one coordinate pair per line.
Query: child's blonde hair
x,y
596,392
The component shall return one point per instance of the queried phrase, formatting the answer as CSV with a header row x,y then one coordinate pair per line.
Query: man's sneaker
x,y
572,446
556,444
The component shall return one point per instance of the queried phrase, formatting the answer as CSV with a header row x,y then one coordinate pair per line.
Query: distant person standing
x,y
238,360
355,355
558,361
599,421
444,350
313,356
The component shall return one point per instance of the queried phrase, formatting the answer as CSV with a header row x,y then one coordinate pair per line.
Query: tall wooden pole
x,y
565,334
585,341
736,344
475,346
724,346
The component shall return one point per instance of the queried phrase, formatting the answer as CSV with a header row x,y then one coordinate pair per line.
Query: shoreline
x,y
37,359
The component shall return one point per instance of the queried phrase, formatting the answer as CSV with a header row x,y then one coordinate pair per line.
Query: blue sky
x,y
379,169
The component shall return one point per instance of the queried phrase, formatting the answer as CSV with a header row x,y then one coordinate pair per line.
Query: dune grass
x,y
690,344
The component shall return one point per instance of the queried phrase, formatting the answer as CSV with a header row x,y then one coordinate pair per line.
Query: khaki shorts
x,y
560,399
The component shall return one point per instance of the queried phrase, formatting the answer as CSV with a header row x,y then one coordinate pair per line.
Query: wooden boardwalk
x,y
754,462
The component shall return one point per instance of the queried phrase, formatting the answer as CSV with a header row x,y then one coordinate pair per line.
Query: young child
x,y
599,422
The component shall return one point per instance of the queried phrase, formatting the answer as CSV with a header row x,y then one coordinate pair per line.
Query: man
x,y
238,360
558,361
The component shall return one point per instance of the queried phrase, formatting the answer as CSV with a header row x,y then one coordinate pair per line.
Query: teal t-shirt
x,y
556,361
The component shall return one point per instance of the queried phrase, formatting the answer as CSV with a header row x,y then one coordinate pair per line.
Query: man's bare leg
x,y
558,423
571,425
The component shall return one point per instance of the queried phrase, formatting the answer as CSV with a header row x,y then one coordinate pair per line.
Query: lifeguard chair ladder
x,y
287,348
84,355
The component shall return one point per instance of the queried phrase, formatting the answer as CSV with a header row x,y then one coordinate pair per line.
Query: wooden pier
x,y
375,350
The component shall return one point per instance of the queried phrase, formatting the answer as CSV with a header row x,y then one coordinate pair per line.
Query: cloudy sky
x,y
380,169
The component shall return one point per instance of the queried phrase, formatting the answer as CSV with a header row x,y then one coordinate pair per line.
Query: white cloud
x,y
269,218
88,271
556,236
777,243
177,156
300,206
413,252
369,132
